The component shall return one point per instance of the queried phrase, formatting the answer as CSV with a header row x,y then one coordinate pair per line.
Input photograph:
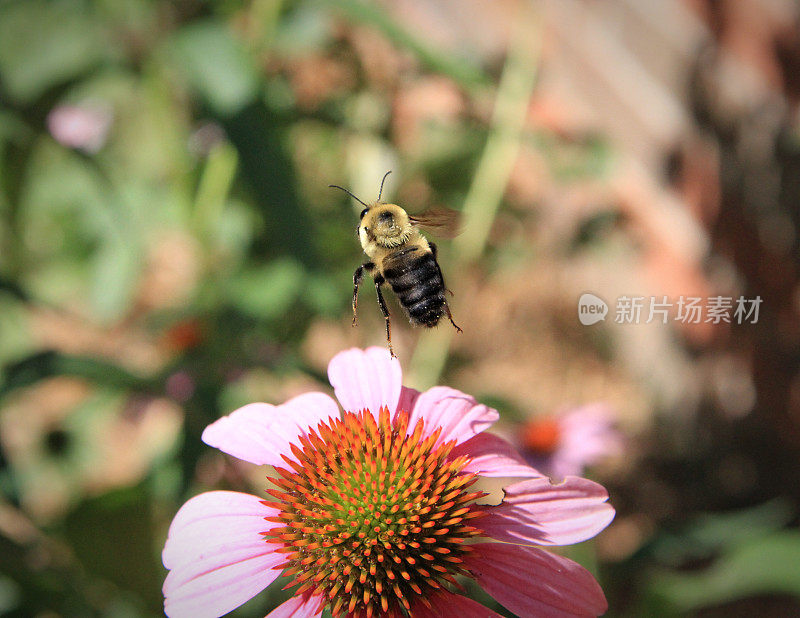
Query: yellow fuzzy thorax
x,y
386,227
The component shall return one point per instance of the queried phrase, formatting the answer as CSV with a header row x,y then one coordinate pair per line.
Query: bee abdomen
x,y
427,311
418,285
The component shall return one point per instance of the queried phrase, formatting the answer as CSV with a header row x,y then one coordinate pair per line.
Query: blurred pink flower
x,y
84,127
372,512
180,386
566,443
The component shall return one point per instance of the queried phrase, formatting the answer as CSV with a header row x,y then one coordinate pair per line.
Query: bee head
x,y
387,225
382,225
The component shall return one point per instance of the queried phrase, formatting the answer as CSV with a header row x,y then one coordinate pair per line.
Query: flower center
x,y
542,436
372,518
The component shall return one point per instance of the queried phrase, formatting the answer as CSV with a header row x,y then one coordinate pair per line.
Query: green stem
x,y
212,192
488,186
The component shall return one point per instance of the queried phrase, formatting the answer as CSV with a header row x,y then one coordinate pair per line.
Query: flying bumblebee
x,y
402,257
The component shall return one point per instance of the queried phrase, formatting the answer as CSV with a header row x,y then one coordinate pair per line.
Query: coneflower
x,y
374,511
568,442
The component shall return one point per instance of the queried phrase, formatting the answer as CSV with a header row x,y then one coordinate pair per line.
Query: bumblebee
x,y
402,257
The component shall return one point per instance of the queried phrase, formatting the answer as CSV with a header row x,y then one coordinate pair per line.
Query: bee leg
x,y
369,266
450,317
379,281
441,276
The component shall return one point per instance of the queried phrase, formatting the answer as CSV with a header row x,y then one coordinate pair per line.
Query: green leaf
x,y
64,202
268,291
116,269
44,44
738,526
112,536
217,65
324,294
49,363
234,233
13,128
76,222
16,339
302,31
766,565
465,72
709,534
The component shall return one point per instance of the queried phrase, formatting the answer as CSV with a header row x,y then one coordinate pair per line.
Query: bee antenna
x,y
382,181
348,193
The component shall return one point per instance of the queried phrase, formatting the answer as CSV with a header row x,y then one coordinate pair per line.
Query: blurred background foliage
x,y
170,250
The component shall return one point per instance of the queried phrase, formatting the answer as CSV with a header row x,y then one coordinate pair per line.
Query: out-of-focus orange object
x,y
542,435
184,335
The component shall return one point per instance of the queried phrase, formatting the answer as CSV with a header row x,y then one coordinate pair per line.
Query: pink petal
x,y
532,582
216,554
588,435
366,379
408,398
596,416
80,126
460,416
492,456
537,512
298,607
448,605
260,432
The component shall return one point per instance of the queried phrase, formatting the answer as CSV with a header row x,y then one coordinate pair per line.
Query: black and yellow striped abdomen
x,y
416,280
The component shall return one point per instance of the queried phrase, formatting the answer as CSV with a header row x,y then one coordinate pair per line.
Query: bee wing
x,y
443,222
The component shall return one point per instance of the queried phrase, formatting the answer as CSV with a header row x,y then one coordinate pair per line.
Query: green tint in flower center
x,y
371,518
